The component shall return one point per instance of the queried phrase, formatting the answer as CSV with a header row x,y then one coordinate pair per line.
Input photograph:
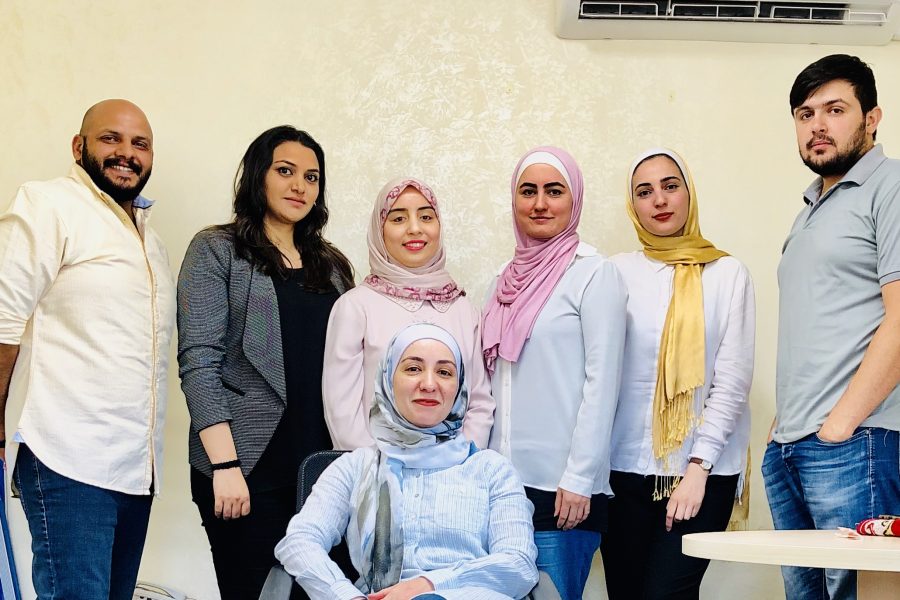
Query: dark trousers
x,y
642,560
243,549
87,541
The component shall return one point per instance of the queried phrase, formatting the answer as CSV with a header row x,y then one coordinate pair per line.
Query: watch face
x,y
704,464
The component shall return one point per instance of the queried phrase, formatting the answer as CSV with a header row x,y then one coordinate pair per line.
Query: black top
x,y
304,320
545,502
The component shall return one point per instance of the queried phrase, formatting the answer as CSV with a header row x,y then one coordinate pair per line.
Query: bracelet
x,y
226,465
3,443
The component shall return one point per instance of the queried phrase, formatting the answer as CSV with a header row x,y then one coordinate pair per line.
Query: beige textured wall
x,y
452,92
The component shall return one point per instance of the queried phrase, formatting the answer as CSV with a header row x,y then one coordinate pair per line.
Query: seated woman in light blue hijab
x,y
425,513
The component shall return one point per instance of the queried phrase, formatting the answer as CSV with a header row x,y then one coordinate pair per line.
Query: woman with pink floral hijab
x,y
408,283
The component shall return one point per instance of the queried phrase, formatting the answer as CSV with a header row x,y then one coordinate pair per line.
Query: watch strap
x,y
704,464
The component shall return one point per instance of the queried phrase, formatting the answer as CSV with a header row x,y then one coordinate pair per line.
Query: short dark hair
x,y
831,68
320,259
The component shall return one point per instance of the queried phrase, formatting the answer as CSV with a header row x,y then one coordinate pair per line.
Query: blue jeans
x,y
813,484
87,541
566,557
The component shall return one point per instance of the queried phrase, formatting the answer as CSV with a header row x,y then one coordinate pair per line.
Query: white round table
x,y
877,559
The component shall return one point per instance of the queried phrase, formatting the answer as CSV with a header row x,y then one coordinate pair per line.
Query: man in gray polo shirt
x,y
834,457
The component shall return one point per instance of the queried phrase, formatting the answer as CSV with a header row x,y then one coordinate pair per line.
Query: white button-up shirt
x,y
723,430
89,298
556,404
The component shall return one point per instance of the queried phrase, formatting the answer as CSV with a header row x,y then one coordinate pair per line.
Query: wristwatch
x,y
704,464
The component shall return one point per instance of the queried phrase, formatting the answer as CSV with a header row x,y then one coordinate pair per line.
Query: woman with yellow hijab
x,y
682,427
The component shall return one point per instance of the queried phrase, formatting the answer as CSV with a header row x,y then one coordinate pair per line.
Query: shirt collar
x,y
657,265
584,249
581,250
857,175
79,174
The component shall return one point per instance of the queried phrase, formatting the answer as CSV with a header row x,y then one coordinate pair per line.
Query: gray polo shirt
x,y
842,248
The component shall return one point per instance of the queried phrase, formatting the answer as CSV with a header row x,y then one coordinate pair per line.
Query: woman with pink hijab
x,y
407,283
553,335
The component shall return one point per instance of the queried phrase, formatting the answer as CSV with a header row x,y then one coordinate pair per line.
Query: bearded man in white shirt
x,y
87,310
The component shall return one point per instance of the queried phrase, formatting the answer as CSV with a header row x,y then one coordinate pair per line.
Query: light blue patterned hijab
x,y
400,444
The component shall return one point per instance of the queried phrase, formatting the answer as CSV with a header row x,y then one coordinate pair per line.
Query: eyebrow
x,y
442,361
546,185
287,162
827,103
114,132
663,180
426,207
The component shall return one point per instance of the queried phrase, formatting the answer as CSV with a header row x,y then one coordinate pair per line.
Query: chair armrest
x,y
545,589
278,585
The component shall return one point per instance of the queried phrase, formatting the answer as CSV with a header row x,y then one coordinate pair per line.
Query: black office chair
x,y
279,583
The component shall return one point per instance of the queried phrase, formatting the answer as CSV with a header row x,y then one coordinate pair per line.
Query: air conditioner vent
x,y
868,22
798,11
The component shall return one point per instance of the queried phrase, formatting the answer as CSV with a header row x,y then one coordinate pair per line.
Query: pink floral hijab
x,y
537,266
430,282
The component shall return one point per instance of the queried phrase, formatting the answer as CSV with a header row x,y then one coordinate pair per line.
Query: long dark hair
x,y
320,257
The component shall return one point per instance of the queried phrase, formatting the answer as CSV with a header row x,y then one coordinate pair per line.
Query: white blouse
x,y
723,430
555,405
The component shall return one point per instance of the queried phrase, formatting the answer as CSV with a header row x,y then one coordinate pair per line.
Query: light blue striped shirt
x,y
466,528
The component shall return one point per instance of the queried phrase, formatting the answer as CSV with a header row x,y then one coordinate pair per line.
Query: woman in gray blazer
x,y
254,297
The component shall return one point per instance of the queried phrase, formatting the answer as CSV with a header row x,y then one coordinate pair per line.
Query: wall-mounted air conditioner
x,y
869,22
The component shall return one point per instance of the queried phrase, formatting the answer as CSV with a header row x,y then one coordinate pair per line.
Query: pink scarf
x,y
537,266
430,282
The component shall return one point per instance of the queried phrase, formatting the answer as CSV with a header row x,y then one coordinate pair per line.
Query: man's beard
x,y
841,162
92,165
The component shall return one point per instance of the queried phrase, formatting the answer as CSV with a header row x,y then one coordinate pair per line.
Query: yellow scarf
x,y
682,350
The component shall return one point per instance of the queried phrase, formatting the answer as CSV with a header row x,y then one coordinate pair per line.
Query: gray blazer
x,y
229,348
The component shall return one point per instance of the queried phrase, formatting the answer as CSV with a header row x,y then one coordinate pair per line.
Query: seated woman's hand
x,y
571,508
404,590
232,495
